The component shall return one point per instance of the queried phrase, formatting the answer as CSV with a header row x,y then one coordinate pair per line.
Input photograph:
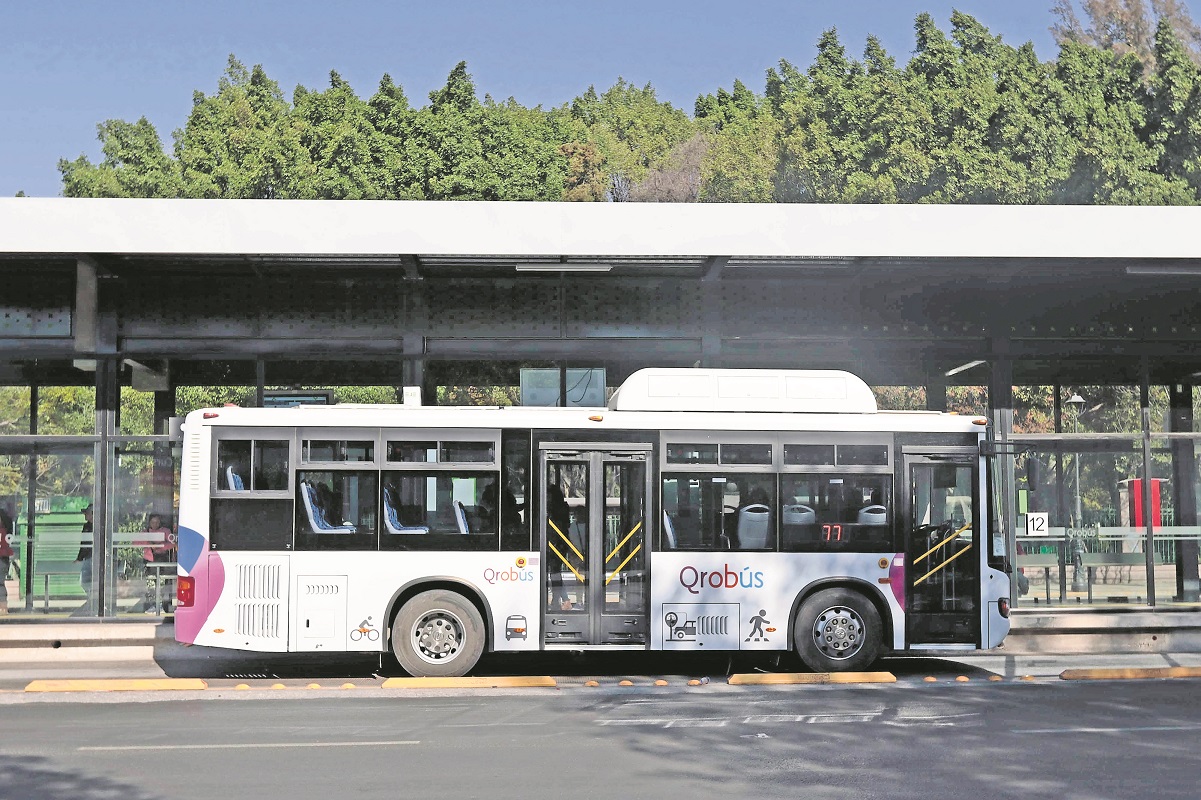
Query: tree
x,y
134,165
585,178
242,142
1105,110
1175,110
1126,26
633,131
743,145
678,180
390,115
346,152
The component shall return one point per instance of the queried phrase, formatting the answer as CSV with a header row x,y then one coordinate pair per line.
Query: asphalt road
x,y
978,739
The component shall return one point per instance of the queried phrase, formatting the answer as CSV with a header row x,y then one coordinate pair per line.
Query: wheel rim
x,y
838,632
438,636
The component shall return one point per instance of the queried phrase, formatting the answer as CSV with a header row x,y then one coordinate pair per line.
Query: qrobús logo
x,y
694,579
516,574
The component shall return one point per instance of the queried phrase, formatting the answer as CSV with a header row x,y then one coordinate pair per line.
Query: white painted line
x,y
493,725
243,746
697,723
1111,730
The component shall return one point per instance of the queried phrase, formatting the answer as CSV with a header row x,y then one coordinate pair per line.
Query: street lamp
x,y
1078,584
1077,402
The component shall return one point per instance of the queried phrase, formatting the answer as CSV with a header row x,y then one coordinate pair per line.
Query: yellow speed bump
x,y
1129,673
497,682
118,685
775,678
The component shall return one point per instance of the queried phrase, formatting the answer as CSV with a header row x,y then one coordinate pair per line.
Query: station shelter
x,y
1075,328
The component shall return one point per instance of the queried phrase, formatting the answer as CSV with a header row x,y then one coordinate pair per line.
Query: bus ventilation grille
x,y
258,602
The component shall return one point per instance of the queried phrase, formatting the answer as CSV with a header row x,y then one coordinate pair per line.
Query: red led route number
x,y
832,533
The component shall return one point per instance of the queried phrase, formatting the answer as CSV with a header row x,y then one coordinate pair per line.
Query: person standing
x,y
84,559
6,554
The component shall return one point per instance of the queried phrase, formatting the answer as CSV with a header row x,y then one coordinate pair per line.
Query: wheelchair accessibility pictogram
x,y
364,629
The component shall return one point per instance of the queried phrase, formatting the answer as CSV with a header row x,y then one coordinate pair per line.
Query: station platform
x,y
1059,632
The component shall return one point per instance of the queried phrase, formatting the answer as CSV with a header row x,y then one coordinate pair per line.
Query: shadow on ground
x,y
178,661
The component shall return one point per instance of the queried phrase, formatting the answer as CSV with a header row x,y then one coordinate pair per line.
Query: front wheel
x,y
438,634
837,630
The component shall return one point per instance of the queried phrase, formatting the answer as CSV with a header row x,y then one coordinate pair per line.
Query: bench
x,y
1093,560
48,567
161,571
1044,560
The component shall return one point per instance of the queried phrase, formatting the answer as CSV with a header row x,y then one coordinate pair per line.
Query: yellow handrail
x,y
950,538
564,537
943,564
623,541
566,563
622,565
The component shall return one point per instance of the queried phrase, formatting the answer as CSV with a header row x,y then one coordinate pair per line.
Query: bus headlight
x,y
1003,607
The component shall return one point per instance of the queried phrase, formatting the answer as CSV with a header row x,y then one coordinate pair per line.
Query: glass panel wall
x,y
43,497
14,410
143,499
66,410
1174,496
1078,539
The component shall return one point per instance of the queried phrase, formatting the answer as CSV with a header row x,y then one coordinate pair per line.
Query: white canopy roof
x,y
346,227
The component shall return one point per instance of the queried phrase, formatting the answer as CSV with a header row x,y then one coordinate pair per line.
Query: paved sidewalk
x,y
1139,638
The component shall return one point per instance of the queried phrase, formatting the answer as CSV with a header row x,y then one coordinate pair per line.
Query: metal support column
x,y
711,312
108,399
1184,478
1000,403
1144,377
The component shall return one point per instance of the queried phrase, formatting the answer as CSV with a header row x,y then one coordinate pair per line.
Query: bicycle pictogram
x,y
364,629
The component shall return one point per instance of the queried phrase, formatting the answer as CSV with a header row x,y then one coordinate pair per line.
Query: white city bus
x,y
705,510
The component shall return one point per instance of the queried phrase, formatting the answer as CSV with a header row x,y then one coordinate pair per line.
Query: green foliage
x,y
134,165
1115,118
631,128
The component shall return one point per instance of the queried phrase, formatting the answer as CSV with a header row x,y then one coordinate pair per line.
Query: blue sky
x,y
71,64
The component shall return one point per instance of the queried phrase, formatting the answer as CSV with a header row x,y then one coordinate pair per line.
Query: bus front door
x,y
942,550
594,553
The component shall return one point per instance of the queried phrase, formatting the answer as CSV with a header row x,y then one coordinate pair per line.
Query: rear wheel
x,y
837,630
438,634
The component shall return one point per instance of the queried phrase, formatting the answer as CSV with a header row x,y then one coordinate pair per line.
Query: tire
x,y
837,630
438,634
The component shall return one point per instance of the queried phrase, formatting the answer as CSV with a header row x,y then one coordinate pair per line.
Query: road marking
x,y
1129,673
1111,730
243,746
469,682
811,718
804,719
787,678
494,725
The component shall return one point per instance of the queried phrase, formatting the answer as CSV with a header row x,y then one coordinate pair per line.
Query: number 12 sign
x,y
1037,524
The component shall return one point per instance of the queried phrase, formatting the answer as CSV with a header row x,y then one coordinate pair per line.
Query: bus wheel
x,y
837,630
438,634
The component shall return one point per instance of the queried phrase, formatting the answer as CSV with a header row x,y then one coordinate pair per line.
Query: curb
x,y
1129,673
117,685
788,678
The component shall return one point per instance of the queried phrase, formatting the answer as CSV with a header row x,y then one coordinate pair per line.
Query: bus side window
x,y
454,509
336,509
514,490
836,512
